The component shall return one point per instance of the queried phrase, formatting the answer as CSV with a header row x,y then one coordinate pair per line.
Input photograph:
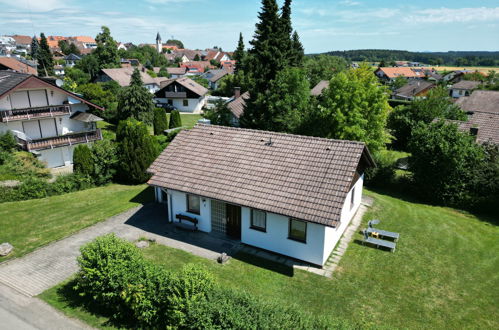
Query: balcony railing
x,y
60,141
38,112
176,95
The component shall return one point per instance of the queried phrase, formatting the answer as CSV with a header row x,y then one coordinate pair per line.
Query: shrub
x,y
69,183
138,294
26,164
384,172
136,150
442,162
7,141
175,119
82,160
105,159
160,121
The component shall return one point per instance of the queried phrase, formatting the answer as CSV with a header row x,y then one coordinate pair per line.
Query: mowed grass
x,y
28,225
444,274
188,120
483,69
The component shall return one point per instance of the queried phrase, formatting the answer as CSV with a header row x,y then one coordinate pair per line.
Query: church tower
x,y
159,45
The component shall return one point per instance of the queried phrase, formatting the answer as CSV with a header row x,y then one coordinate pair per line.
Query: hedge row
x,y
139,294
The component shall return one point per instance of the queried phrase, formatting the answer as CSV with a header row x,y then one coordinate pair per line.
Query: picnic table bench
x,y
378,242
384,233
186,222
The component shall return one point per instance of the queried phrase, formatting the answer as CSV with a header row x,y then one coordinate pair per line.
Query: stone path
x,y
52,264
347,236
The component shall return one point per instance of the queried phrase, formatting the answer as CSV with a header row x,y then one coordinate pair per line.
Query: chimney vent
x,y
237,92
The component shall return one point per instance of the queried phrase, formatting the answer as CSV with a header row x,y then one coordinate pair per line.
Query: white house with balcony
x,y
184,94
45,119
289,194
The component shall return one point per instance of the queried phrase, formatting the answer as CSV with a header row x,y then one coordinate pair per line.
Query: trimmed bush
x,y
160,122
105,159
136,151
175,119
83,162
139,294
7,141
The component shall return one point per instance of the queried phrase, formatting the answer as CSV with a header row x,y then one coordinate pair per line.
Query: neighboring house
x,y
123,77
289,194
228,66
184,94
319,88
173,72
71,60
485,101
412,90
23,43
463,88
391,73
483,125
59,70
237,104
11,63
8,44
196,67
216,55
214,77
47,120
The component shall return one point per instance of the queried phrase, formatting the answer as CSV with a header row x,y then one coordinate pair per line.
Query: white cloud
x,y
35,5
451,15
349,3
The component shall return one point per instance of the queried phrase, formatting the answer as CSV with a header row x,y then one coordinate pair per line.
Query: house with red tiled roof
x,y
288,194
13,64
391,73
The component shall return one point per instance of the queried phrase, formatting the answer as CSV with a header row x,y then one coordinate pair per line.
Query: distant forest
x,y
452,58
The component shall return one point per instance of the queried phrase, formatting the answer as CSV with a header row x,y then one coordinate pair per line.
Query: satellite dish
x,y
59,82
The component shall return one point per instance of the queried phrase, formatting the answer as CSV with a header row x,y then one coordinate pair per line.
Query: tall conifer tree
x,y
240,54
44,58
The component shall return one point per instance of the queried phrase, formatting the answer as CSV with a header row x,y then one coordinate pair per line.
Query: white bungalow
x,y
45,119
289,194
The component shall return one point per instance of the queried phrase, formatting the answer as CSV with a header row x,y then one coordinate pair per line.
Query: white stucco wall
x,y
179,206
333,235
194,106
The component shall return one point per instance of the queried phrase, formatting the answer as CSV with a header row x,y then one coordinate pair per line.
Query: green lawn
x,y
188,120
27,225
444,274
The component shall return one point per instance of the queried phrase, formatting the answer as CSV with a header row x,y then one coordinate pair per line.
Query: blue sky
x,y
418,25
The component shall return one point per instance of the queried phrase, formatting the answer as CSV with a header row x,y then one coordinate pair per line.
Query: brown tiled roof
x,y
486,101
187,83
22,40
317,90
123,76
16,65
466,84
400,72
413,88
301,177
487,124
237,105
176,71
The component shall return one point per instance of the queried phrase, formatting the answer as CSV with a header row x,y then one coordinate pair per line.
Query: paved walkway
x,y
52,264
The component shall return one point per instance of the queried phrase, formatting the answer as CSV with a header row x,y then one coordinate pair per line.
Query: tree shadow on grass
x,y
69,296
264,263
146,196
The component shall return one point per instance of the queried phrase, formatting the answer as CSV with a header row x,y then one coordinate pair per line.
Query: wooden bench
x,y
186,222
378,242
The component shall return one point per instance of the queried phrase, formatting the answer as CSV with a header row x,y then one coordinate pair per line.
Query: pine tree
x,y
82,160
240,55
160,122
175,119
44,58
298,53
136,149
135,101
34,47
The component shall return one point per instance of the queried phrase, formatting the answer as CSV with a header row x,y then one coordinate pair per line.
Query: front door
x,y
233,213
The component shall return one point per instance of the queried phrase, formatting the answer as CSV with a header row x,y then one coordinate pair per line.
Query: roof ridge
x,y
316,138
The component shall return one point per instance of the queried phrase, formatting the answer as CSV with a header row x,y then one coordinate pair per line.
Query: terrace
x,y
38,112
60,141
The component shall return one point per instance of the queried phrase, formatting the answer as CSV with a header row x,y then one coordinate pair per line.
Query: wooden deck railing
x,y
60,141
38,112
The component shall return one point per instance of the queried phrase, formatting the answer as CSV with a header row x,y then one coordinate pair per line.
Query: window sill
x,y
259,229
297,240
